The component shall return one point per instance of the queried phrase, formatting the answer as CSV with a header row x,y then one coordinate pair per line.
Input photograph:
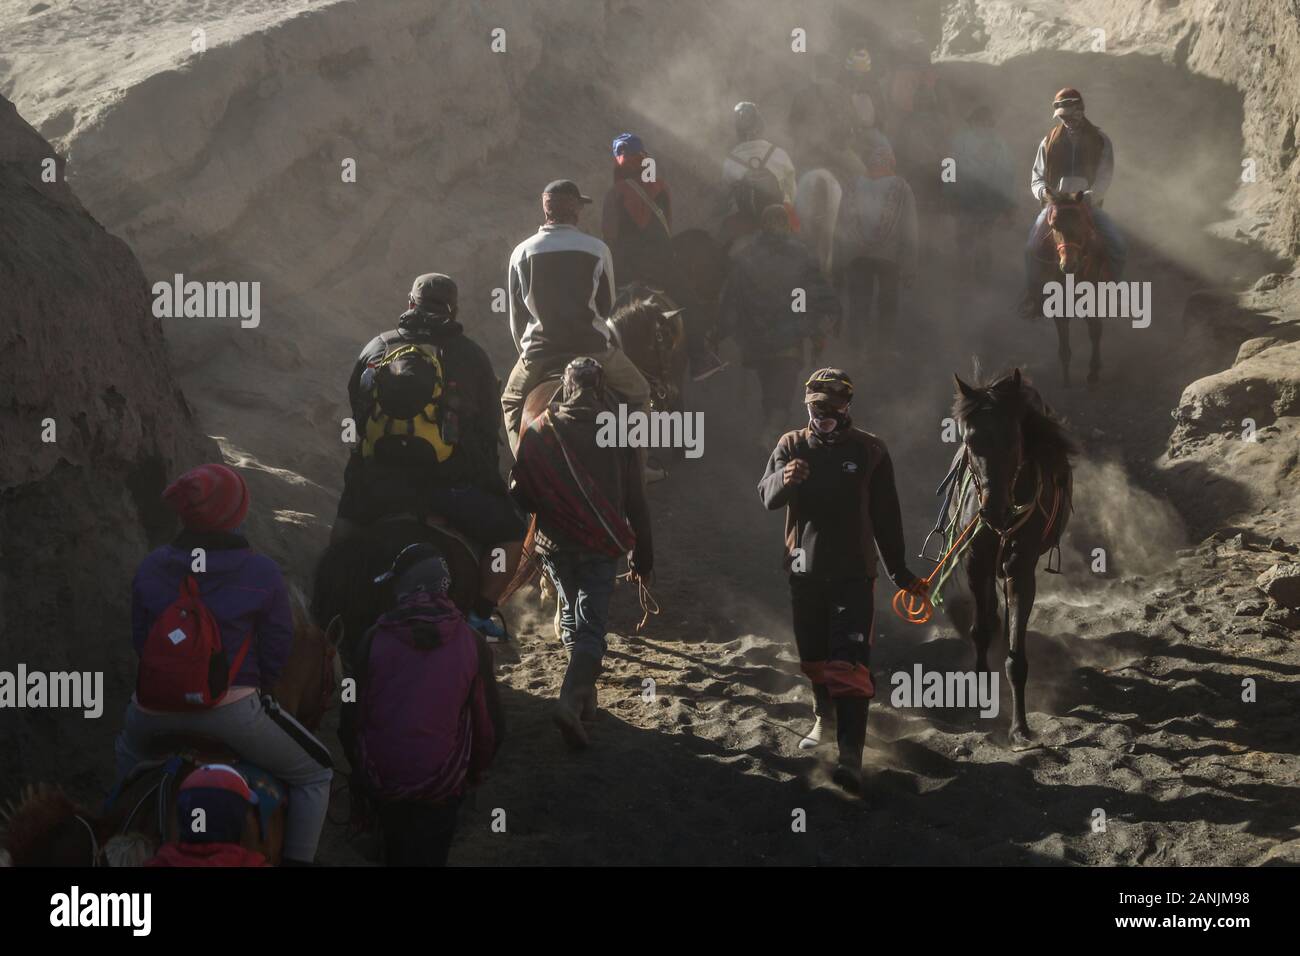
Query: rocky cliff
x,y
91,424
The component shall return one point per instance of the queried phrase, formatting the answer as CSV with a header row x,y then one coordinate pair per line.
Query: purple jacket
x,y
245,592
426,728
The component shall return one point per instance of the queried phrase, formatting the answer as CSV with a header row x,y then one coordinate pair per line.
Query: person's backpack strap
x,y
192,586
239,661
771,148
654,206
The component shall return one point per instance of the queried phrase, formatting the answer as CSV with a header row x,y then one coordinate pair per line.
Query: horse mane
x,y
28,824
1045,435
635,305
639,316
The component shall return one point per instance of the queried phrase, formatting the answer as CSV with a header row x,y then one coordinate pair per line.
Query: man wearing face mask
x,y
1079,154
836,483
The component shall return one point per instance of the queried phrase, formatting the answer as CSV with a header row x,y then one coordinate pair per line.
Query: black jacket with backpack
x,y
467,411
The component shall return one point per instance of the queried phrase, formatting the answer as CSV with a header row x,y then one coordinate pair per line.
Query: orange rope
x,y
915,606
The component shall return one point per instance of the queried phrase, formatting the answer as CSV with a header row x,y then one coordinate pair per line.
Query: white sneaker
x,y
814,736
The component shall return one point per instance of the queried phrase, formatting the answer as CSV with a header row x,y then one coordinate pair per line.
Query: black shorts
x,y
833,618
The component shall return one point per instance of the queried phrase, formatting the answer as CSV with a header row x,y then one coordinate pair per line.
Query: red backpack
x,y
183,665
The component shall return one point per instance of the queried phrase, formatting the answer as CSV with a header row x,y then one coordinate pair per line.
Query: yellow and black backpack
x,y
406,417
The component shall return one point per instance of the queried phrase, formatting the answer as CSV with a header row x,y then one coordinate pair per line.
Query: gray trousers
x,y
247,728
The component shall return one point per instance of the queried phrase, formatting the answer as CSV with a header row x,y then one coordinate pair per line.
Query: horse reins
x,y
94,840
1085,256
647,600
328,684
917,606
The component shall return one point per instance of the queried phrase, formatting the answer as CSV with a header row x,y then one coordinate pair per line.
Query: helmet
x,y
220,796
859,61
749,122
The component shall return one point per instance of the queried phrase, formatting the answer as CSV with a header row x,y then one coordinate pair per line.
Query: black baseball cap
x,y
434,292
566,187
418,565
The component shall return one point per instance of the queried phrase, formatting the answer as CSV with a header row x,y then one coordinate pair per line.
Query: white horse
x,y
817,203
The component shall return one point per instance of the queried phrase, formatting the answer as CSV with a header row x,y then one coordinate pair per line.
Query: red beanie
x,y
209,498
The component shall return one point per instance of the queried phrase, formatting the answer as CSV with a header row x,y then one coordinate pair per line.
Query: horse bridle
x,y
1084,256
94,840
1021,512
662,350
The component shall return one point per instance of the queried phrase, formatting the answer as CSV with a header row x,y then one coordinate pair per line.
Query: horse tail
x,y
34,822
817,198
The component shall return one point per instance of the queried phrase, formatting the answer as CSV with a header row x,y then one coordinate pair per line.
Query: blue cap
x,y
627,143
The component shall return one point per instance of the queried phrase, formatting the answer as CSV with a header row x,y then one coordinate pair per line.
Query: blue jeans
x,y
584,582
1111,237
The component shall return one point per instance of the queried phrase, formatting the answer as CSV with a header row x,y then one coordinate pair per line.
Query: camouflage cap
x,y
829,385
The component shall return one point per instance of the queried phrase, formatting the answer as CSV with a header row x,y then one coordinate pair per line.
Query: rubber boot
x,y
823,717
578,689
851,736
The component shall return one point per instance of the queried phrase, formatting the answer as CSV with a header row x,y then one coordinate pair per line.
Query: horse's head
x,y
1072,232
311,678
649,325
990,419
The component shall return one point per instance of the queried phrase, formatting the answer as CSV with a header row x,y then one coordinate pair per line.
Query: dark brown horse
x,y
1071,245
1014,484
48,828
